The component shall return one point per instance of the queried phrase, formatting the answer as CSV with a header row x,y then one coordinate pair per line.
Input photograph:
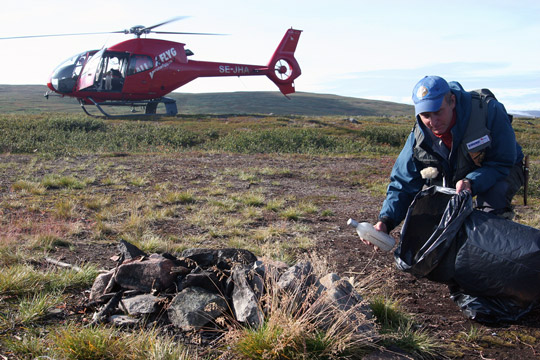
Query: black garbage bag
x,y
492,265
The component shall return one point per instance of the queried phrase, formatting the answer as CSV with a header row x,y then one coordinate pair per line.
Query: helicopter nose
x,y
50,85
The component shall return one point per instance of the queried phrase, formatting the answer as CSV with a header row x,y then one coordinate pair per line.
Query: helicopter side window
x,y
139,63
110,72
114,80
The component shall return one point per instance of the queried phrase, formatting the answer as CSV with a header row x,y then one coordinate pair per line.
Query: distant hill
x,y
529,113
274,102
29,98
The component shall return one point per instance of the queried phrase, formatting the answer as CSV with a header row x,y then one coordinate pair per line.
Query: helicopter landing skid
x,y
150,107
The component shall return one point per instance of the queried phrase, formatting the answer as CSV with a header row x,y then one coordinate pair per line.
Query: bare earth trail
x,y
345,187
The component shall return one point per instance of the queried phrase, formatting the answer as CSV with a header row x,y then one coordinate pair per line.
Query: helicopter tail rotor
x,y
284,68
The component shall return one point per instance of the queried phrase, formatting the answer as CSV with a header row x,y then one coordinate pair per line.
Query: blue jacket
x,y
501,155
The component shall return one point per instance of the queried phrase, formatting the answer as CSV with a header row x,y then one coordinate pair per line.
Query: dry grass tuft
x,y
298,325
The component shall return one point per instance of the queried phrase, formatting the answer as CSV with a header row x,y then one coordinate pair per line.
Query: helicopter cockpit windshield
x,y
64,77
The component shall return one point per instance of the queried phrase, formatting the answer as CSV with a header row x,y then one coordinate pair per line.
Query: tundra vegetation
x,y
72,187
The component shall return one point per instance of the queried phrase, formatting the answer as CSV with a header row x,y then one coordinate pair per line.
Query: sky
x,y
362,48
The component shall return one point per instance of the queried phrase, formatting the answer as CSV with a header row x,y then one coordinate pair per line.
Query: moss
x,y
495,340
522,336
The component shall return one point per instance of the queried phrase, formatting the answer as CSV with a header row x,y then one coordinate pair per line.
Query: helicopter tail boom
x,y
283,68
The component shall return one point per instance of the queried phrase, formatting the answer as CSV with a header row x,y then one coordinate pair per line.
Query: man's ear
x,y
452,101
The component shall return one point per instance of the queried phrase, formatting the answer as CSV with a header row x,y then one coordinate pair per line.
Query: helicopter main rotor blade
x,y
136,30
166,22
183,33
53,35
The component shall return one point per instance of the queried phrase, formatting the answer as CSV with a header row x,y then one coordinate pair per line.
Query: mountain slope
x,y
29,98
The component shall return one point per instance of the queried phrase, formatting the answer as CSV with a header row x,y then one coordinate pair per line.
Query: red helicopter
x,y
141,71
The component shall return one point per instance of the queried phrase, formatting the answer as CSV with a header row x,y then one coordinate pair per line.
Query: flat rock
x,y
146,275
141,304
245,298
194,308
123,321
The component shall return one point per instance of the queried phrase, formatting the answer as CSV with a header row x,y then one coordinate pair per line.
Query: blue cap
x,y
429,93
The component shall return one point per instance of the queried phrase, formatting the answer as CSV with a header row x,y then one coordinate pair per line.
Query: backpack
x,y
480,99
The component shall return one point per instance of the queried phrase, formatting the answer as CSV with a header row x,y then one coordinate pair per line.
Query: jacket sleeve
x,y
405,183
501,155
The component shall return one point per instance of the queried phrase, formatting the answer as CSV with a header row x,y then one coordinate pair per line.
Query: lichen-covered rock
x,y
194,308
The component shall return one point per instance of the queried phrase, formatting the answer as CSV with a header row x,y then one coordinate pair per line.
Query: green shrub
x,y
383,135
73,135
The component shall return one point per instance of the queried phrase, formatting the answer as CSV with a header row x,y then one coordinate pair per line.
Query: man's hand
x,y
380,226
463,185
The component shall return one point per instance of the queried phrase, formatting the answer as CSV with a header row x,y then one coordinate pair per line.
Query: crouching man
x,y
462,140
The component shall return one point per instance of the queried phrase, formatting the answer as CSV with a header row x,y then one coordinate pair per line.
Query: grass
x,y
251,199
78,343
182,197
65,208
35,307
49,242
71,181
21,280
74,135
149,242
298,211
399,329
60,182
96,203
299,329
29,186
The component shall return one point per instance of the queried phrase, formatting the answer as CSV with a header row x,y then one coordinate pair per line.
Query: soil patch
x,y
341,188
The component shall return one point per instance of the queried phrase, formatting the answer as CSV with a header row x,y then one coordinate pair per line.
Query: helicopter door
x,y
91,71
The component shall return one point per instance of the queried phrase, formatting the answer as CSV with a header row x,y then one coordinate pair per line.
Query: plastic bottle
x,y
378,238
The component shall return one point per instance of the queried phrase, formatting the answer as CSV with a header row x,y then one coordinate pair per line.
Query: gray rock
x,y
297,277
129,251
202,257
227,258
194,308
339,292
205,279
141,304
245,296
339,303
224,259
147,275
99,286
270,269
123,321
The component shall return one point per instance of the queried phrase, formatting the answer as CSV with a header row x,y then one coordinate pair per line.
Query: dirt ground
x,y
335,184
